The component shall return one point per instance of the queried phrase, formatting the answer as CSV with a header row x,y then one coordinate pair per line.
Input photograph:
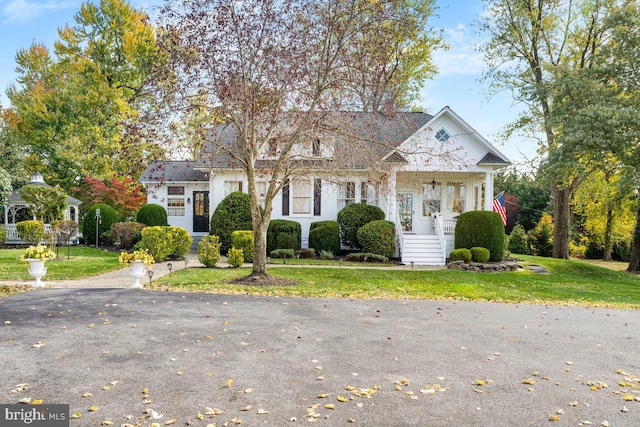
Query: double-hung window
x,y
175,201
301,198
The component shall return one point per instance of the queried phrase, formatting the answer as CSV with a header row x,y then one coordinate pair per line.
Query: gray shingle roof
x,y
374,135
490,158
173,171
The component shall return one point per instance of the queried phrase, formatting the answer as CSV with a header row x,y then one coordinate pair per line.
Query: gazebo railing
x,y
12,233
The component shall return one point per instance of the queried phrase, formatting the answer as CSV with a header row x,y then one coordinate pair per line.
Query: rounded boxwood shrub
x,y
378,237
165,242
209,251
180,241
325,236
232,213
31,231
479,254
284,234
462,254
282,253
352,217
483,229
235,257
243,239
108,217
152,215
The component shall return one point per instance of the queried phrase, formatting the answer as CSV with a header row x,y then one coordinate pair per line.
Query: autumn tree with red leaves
x,y
124,195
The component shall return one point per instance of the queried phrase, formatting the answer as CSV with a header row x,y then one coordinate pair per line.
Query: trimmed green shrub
x,y
325,236
352,217
518,241
327,255
462,254
282,253
243,239
155,241
3,234
284,234
108,217
378,237
165,242
31,231
306,253
233,213
479,254
366,257
235,257
152,215
180,241
483,229
124,234
541,237
209,251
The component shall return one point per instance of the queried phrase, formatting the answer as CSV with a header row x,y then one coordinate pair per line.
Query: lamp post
x,y
150,273
170,267
98,217
412,264
186,261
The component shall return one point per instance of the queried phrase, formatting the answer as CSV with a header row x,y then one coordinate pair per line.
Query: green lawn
x,y
83,262
569,282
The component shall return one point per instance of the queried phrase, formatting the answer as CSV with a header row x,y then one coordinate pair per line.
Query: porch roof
x,y
37,179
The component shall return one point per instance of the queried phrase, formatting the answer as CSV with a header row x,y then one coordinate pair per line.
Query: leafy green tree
x,y
545,52
44,202
76,108
11,164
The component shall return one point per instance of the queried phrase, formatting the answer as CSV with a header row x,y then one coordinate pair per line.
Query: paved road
x,y
283,353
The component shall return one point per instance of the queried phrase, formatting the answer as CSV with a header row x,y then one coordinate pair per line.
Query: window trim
x,y
174,211
442,135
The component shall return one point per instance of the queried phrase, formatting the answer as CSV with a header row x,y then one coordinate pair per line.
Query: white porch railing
x,y
12,233
448,225
439,229
399,235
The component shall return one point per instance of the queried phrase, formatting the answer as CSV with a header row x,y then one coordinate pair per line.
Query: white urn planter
x,y
37,270
137,271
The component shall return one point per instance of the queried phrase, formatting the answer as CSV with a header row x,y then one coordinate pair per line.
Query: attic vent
x,y
442,135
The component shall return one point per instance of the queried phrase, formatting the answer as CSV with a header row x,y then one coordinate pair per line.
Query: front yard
x,y
569,282
83,262
591,283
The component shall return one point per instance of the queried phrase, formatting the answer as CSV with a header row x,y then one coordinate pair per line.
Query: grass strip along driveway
x,y
568,282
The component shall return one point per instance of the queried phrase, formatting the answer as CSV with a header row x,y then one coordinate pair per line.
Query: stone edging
x,y
492,267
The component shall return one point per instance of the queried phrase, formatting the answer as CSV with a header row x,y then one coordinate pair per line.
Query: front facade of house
x,y
440,168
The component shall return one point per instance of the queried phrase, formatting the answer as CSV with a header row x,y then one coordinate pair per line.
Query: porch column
x,y
488,191
391,197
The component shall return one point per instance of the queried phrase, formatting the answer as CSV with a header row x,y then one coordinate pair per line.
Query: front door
x,y
201,211
405,211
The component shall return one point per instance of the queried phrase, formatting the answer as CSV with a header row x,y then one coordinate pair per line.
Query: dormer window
x,y
442,135
315,147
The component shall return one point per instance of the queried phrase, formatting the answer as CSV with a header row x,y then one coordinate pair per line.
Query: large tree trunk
x,y
260,248
561,221
634,261
608,242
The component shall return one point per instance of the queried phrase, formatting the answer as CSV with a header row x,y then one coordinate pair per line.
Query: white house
x,y
421,170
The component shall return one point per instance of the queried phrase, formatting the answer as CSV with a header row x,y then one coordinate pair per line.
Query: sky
x,y
457,84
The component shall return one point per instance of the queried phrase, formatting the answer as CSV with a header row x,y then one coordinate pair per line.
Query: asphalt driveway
x,y
216,359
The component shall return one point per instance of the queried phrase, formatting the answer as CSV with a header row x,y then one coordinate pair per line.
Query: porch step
x,y
194,244
422,250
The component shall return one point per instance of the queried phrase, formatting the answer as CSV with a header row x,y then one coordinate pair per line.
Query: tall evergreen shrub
x,y
483,229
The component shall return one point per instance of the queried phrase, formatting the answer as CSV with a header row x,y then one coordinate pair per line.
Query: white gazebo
x,y
17,210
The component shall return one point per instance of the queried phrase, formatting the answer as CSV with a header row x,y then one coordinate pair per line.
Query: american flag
x,y
498,206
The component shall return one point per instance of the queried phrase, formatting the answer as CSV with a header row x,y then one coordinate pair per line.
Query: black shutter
x,y
317,197
285,198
